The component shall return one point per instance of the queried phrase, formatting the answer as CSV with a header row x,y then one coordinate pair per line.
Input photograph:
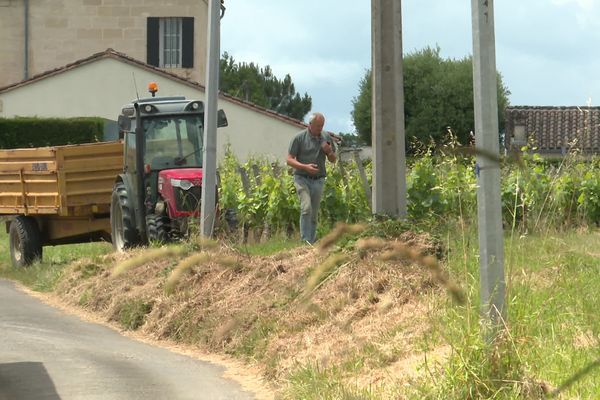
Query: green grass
x,y
552,330
315,382
551,339
133,313
257,339
42,276
273,246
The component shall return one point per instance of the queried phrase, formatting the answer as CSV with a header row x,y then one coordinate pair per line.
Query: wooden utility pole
x,y
491,246
387,127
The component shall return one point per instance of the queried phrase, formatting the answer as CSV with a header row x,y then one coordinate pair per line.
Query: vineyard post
x,y
246,188
340,165
258,181
487,168
363,178
256,171
276,169
245,180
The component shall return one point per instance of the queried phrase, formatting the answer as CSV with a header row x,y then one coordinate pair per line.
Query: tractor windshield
x,y
173,141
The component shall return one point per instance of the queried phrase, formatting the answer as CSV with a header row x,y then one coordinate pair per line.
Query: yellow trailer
x,y
57,195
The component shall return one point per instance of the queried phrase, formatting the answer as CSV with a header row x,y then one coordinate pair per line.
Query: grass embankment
x,y
356,322
43,276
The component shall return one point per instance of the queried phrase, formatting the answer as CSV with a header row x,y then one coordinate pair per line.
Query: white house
x,y
101,84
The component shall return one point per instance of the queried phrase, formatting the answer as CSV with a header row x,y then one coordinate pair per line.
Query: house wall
x,y
12,41
63,31
102,87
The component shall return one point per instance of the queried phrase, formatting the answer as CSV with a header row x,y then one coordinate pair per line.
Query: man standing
x,y
306,155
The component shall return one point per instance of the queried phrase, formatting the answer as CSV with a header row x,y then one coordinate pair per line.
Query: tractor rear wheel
x,y
158,227
123,231
25,241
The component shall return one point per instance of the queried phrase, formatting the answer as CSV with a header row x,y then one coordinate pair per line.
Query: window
x,y
169,34
174,140
170,42
520,136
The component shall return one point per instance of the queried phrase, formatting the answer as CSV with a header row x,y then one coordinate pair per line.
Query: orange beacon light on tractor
x,y
153,88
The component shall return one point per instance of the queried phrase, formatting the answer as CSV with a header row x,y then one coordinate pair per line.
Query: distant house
x,y
99,85
553,130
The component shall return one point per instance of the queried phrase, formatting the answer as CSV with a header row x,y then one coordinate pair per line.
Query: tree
x,y
438,95
351,140
259,86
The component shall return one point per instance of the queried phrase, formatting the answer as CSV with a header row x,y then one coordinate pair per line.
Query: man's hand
x,y
327,148
312,169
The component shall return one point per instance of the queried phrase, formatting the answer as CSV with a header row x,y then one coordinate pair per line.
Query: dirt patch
x,y
586,340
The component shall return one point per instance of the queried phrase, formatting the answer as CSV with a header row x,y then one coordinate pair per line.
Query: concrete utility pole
x,y
209,160
389,158
491,246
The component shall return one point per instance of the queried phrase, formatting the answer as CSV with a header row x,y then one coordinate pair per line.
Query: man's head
x,y
315,123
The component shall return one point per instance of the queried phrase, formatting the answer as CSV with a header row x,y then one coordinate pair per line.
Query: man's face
x,y
316,126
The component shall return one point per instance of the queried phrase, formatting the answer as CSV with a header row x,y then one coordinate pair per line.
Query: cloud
x,y
545,49
324,46
582,10
583,4
317,72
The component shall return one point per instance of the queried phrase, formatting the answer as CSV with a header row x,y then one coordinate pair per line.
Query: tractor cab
x,y
160,188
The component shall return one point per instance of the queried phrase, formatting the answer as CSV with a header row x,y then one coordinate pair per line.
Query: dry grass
x,y
184,266
145,257
280,311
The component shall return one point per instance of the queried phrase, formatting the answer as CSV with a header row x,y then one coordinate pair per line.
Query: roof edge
x,y
113,54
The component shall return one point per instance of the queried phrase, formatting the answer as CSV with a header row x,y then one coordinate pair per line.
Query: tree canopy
x,y
438,95
259,86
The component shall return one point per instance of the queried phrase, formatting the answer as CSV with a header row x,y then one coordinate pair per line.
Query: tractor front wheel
x,y
123,232
158,227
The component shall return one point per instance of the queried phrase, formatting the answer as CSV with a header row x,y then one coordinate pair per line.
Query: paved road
x,y
47,354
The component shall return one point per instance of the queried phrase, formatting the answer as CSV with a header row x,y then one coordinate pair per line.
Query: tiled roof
x,y
555,129
110,53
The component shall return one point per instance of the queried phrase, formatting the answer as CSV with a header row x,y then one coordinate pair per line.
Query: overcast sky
x,y
546,50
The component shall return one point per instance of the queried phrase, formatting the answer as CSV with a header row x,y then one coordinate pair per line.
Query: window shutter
x,y
187,42
152,41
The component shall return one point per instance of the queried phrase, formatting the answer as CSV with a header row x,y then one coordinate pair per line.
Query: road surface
x,y
47,354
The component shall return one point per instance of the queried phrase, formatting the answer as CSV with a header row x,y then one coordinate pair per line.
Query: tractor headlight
x,y
182,183
196,106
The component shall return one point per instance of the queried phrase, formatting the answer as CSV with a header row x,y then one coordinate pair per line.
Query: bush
x,y
40,132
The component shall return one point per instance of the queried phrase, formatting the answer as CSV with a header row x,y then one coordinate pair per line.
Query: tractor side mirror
x,y
124,123
221,119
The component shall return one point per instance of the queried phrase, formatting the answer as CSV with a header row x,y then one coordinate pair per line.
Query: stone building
x,y
72,58
41,35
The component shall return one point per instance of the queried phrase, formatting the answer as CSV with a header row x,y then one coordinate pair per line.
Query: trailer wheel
x,y
123,232
25,241
158,228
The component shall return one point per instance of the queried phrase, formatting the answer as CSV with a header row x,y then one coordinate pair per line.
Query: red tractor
x,y
159,191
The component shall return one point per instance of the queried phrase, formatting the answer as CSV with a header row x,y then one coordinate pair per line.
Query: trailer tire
x,y
25,241
158,228
123,231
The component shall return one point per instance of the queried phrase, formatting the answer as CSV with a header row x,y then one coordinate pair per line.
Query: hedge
x,y
40,132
